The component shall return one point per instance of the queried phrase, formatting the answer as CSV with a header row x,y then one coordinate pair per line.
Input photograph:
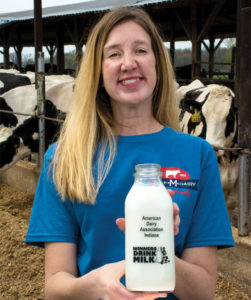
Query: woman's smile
x,y
131,82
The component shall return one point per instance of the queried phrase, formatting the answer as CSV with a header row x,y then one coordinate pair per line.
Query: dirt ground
x,y
21,266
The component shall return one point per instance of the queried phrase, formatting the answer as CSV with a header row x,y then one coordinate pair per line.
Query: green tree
x,y
229,44
70,60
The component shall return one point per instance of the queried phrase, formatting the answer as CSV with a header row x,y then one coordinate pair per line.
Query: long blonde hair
x,y
89,122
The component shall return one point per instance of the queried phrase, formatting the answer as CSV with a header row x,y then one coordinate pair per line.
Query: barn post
x,y
243,92
172,39
211,56
40,82
60,48
51,50
41,106
18,50
196,44
79,55
6,55
243,194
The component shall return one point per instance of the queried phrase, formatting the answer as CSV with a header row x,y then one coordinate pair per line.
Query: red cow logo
x,y
174,173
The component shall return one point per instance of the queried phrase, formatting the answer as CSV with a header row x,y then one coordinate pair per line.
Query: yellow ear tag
x,y
196,117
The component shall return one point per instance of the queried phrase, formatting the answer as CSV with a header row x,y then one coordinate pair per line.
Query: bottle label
x,y
150,255
151,226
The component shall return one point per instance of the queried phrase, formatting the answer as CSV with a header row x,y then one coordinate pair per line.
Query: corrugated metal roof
x,y
77,8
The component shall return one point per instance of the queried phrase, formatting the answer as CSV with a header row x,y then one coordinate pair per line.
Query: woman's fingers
x,y
119,291
171,193
121,223
176,218
111,274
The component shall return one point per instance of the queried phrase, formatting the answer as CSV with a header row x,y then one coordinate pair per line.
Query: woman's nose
x,y
128,62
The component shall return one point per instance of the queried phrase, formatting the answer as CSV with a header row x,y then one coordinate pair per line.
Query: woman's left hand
x,y
176,217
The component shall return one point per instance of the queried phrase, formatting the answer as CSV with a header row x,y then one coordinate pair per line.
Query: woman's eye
x,y
113,54
141,51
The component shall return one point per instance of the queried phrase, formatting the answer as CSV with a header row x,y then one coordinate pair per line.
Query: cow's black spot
x,y
29,127
12,81
26,131
6,119
231,120
8,149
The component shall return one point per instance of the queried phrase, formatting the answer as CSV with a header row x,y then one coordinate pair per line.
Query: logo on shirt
x,y
177,178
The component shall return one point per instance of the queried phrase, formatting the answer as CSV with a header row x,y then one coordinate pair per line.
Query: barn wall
x,y
23,176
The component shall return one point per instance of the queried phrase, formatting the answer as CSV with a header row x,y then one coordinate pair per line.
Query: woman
x,y
123,114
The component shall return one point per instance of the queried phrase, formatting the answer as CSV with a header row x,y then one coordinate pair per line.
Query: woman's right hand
x,y
61,281
108,283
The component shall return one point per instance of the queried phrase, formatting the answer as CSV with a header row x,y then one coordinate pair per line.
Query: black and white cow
x,y
209,112
19,134
9,81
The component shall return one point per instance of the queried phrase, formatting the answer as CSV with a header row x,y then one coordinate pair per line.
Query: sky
x,y
20,5
7,6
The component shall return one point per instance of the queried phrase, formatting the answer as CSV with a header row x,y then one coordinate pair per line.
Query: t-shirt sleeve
x,y
52,219
210,224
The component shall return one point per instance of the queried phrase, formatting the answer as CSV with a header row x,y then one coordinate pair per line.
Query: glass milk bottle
x,y
149,235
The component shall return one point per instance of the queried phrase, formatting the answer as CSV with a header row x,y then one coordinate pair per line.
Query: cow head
x,y
18,143
208,112
9,144
191,118
220,116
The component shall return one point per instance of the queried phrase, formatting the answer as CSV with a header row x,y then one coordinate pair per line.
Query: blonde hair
x,y
87,130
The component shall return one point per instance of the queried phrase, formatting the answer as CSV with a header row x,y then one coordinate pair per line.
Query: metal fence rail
x,y
243,223
235,150
34,115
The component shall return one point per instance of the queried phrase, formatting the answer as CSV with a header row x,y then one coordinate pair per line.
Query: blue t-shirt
x,y
189,167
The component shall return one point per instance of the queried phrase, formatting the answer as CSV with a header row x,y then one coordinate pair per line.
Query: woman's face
x,y
129,65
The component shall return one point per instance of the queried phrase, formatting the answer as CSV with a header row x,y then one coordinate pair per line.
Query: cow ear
x,y
193,95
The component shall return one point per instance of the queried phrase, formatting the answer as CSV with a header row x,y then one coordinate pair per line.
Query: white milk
x,y
149,233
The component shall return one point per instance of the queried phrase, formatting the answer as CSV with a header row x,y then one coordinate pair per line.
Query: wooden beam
x,y
243,76
210,19
205,45
184,26
71,33
11,34
38,34
211,56
6,55
18,49
60,48
172,39
218,44
196,45
51,50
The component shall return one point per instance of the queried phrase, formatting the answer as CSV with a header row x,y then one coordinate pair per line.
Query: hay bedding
x,y
21,266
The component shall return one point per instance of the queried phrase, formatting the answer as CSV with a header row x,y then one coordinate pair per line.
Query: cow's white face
x,y
5,132
216,110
